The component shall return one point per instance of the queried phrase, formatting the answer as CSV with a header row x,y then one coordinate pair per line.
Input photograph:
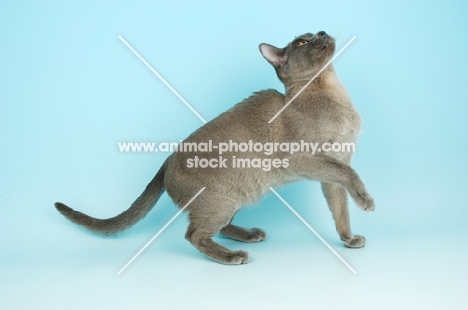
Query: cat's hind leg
x,y
206,220
243,234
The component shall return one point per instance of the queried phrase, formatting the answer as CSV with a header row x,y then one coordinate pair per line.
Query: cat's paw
x,y
238,258
363,200
356,242
256,234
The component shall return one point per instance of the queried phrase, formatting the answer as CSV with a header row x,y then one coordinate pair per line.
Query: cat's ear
x,y
275,56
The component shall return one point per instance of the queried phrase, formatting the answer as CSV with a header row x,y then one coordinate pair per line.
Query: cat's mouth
x,y
328,44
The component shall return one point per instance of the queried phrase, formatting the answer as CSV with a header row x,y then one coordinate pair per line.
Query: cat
x,y
322,113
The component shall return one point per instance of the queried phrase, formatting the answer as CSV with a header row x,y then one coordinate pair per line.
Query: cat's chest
x,y
324,118
350,123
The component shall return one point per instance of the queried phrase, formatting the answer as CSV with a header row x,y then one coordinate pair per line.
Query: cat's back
x,y
267,96
260,107
246,120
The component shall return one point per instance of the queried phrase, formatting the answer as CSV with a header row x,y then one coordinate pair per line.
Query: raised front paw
x,y
363,200
356,242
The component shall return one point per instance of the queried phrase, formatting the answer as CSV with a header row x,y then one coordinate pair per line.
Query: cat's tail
x,y
136,212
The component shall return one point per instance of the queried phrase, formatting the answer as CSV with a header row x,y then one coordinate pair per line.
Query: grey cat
x,y
323,112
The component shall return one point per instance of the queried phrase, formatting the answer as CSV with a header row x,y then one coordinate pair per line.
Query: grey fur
x,y
323,112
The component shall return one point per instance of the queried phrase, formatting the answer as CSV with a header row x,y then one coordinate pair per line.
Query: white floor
x,y
62,266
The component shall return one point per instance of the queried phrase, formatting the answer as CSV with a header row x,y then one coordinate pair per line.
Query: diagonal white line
x,y
160,231
311,80
313,230
162,79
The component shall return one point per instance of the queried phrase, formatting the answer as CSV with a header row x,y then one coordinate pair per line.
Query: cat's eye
x,y
302,42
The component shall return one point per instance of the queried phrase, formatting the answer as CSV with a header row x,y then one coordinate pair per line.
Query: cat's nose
x,y
321,33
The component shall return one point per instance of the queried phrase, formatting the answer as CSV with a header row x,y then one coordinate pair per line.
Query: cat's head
x,y
301,59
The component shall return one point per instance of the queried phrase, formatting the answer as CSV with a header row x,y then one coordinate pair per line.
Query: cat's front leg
x,y
337,200
328,169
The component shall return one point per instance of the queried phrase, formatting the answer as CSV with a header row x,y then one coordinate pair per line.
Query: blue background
x,y
70,90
